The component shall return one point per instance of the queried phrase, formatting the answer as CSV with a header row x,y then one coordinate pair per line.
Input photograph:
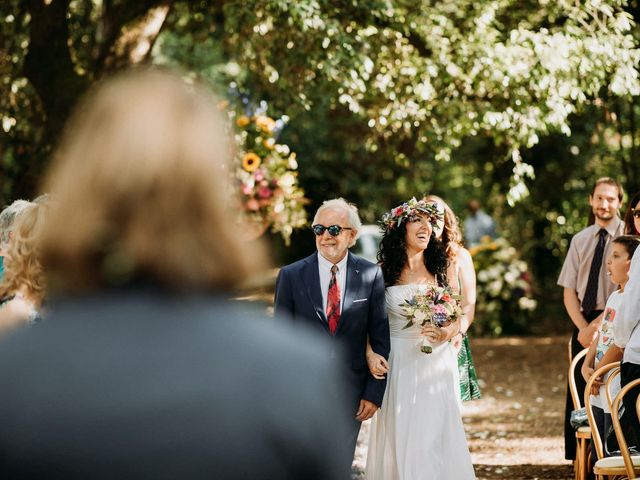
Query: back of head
x,y
141,191
23,266
7,217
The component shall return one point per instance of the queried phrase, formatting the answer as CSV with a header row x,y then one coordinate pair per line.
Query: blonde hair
x,y
23,267
140,190
451,234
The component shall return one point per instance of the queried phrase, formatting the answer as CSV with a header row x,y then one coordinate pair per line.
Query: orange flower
x,y
250,162
242,121
266,124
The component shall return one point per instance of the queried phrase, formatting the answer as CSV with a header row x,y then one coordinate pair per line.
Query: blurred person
x,y
341,296
22,287
144,368
418,433
478,224
586,285
632,216
7,217
603,351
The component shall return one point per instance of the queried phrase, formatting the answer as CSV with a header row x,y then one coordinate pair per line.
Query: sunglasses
x,y
635,212
334,230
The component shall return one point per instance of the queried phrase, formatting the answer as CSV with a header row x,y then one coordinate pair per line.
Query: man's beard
x,y
608,216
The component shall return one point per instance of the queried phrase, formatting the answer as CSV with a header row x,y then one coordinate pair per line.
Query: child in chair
x,y
602,350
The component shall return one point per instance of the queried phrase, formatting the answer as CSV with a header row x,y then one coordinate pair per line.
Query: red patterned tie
x,y
333,302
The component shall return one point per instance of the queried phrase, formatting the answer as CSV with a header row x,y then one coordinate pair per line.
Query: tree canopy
x,y
386,99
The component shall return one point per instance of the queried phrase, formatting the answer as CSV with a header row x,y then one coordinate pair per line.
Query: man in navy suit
x,y
342,297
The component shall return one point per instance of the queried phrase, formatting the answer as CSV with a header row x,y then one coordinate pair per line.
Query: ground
x,y
515,429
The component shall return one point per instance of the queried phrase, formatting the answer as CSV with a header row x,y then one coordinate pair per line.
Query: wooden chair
x,y
631,462
583,434
610,467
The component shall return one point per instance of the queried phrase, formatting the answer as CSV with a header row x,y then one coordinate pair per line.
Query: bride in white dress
x,y
418,432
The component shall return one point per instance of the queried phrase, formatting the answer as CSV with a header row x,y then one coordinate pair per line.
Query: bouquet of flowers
x,y
267,177
437,305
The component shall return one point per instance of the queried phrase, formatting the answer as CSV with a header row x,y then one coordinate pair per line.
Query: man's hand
x,y
587,334
366,410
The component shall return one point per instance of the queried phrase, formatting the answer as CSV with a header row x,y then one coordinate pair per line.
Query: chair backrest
x,y
617,428
575,396
595,433
613,374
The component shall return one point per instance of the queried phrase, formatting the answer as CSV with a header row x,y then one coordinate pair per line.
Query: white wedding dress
x,y
418,432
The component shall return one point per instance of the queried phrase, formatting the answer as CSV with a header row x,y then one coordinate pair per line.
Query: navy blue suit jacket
x,y
363,313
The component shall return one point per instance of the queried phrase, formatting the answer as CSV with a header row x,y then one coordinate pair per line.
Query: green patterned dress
x,y
469,388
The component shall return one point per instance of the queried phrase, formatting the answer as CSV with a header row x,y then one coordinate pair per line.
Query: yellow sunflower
x,y
250,162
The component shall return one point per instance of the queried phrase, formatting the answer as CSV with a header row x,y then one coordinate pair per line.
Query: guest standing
x,y
462,278
585,281
632,216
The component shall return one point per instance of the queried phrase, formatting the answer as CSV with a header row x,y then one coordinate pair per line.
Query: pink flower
x,y
398,211
264,192
259,175
247,189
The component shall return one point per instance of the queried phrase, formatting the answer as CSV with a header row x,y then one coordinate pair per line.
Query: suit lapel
x,y
311,279
351,288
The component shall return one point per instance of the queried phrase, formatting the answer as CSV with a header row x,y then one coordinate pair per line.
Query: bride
x,y
418,432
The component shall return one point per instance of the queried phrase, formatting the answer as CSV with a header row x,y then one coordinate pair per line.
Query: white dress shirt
x,y
626,334
324,268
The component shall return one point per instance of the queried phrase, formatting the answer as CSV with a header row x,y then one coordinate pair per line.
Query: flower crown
x,y
394,217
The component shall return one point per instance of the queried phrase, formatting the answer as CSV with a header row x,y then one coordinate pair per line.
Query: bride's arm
x,y
377,364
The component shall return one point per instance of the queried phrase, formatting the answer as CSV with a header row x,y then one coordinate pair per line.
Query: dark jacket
x,y
144,385
363,314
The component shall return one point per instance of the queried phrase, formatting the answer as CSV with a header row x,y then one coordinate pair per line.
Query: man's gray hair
x,y
7,217
349,208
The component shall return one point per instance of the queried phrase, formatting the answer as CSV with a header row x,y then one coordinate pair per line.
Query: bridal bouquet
x,y
437,305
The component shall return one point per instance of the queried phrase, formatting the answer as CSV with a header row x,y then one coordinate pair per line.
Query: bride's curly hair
x,y
392,256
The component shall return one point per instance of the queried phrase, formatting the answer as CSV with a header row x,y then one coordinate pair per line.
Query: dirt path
x,y
515,429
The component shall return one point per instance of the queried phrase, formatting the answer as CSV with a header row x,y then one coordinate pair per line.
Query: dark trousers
x,y
629,420
603,421
569,432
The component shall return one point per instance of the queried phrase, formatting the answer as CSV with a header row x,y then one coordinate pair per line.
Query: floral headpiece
x,y
394,218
